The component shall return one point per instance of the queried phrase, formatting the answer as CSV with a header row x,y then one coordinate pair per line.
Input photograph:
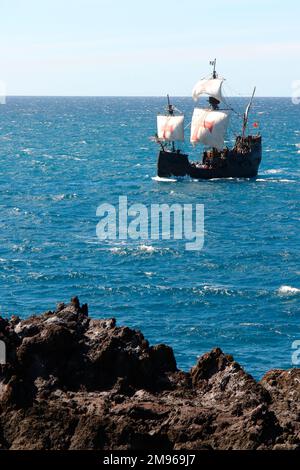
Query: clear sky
x,y
152,47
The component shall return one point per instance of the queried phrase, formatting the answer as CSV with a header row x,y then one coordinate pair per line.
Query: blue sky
x,y
153,47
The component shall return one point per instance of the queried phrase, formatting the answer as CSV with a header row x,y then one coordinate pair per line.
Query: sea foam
x,y
147,248
288,290
164,180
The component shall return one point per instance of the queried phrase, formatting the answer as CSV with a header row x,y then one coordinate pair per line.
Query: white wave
x,y
114,249
298,146
58,197
284,180
15,211
27,151
136,251
61,197
164,180
288,290
217,290
273,171
273,180
118,250
147,248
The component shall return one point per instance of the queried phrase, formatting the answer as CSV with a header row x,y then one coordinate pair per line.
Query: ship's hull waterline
x,y
233,163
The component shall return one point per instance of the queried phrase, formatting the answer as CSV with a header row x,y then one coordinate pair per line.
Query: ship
x,y
208,127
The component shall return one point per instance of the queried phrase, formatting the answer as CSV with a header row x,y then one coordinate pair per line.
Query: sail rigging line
x,y
238,95
225,99
178,110
209,77
241,112
233,129
230,108
234,92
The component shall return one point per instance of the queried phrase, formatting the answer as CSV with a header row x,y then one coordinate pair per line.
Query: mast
x,y
170,110
211,86
170,127
214,63
214,103
170,107
246,114
209,125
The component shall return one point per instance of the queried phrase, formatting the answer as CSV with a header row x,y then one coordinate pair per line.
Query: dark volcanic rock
x,y
72,382
284,389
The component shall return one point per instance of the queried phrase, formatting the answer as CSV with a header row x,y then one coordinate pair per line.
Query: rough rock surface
x,y
71,382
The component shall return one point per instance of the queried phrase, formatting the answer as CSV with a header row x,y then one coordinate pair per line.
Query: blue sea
x,y
60,158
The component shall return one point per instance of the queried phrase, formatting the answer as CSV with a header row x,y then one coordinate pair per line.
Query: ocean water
x,y
60,158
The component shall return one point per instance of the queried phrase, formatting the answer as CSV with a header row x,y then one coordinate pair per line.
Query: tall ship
x,y
208,127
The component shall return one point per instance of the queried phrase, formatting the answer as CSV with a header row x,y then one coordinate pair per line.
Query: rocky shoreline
x,y
72,382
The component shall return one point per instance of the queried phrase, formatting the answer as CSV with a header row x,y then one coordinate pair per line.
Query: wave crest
x,y
288,290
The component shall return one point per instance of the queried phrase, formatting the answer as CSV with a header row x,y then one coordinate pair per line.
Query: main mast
x,y
209,125
214,63
214,103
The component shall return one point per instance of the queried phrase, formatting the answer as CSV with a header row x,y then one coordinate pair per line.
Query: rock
x,y
72,382
284,389
163,358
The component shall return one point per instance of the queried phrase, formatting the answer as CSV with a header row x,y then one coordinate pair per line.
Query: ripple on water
x,y
240,292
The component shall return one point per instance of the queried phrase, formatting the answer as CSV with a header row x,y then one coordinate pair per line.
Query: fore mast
x,y
170,128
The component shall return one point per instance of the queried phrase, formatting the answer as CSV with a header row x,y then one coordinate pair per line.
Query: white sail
x,y
209,127
211,87
170,128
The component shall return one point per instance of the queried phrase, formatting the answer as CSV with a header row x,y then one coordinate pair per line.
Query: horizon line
x,y
131,96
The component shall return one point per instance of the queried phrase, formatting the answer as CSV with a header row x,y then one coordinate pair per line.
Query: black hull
x,y
240,162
